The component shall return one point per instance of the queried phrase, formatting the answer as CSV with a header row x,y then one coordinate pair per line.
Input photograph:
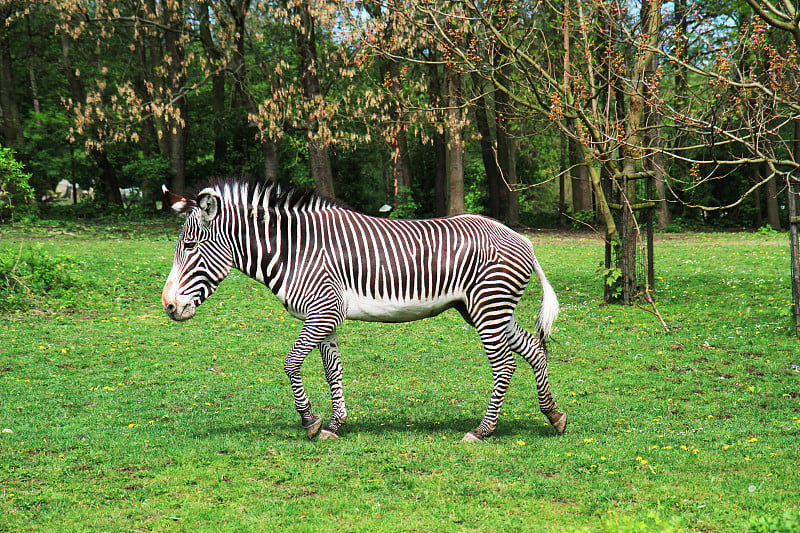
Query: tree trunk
x,y
156,77
12,125
218,108
176,79
305,42
773,211
664,217
455,145
217,87
562,182
625,180
656,157
436,95
109,184
149,136
757,200
271,159
506,146
506,154
440,178
496,190
581,185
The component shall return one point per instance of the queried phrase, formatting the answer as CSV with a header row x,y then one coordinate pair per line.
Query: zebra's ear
x,y
178,203
208,200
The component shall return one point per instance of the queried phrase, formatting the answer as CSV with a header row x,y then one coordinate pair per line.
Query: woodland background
x,y
519,110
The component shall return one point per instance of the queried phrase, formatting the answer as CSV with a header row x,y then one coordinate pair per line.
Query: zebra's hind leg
x,y
329,349
503,365
534,351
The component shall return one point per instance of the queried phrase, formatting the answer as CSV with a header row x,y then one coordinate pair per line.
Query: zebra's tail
x,y
548,310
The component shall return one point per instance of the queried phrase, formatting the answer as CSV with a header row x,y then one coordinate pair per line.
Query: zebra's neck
x,y
264,227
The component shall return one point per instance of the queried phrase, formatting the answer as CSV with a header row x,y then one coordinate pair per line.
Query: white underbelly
x,y
372,309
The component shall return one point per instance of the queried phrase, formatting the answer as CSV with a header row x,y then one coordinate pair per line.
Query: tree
x,y
108,182
12,124
602,111
302,22
782,89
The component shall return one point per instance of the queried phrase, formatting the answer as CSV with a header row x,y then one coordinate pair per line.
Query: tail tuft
x,y
548,310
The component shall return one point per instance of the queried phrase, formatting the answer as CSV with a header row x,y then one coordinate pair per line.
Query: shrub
x,y
406,205
29,278
583,219
16,194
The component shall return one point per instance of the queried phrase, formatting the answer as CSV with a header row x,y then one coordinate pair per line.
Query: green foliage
x,y
768,231
31,278
16,194
49,155
583,219
406,205
612,279
672,227
788,522
151,172
475,195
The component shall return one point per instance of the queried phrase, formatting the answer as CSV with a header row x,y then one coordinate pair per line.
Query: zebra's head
x,y
202,257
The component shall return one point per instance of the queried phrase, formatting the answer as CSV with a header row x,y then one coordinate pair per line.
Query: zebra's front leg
x,y
294,361
332,362
311,334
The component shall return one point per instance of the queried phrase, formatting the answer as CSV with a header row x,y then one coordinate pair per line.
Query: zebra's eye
x,y
189,245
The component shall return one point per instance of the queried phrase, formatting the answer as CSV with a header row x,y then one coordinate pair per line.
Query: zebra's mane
x,y
250,193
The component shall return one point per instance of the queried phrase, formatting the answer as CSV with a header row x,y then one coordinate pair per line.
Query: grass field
x,y
120,420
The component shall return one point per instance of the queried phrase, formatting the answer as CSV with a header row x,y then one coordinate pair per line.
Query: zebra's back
x,y
393,270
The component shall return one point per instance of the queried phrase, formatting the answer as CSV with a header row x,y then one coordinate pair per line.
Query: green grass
x,y
125,421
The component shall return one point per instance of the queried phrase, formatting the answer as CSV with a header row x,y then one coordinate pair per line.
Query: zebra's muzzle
x,y
177,307
179,313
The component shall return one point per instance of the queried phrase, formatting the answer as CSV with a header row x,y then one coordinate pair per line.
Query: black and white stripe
x,y
327,263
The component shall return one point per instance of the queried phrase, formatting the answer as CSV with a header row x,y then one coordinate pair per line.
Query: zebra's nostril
x,y
170,308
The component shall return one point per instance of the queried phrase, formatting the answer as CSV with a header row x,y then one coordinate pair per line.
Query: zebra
x,y
327,263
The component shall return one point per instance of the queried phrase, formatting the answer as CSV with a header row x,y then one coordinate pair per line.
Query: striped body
x,y
327,263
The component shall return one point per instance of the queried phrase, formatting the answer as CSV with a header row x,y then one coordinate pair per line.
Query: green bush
x,y
583,219
672,228
31,278
406,205
16,194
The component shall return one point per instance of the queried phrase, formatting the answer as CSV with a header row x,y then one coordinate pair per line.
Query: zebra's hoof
x,y
559,422
327,434
471,437
313,426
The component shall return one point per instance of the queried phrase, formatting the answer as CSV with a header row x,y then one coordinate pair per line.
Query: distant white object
x,y
8,430
130,194
385,208
64,189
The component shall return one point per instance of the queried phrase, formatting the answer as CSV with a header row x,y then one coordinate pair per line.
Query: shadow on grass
x,y
454,427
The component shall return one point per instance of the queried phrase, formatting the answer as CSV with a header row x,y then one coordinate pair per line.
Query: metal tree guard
x,y
629,199
794,245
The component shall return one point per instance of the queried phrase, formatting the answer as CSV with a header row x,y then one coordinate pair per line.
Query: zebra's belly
x,y
371,309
